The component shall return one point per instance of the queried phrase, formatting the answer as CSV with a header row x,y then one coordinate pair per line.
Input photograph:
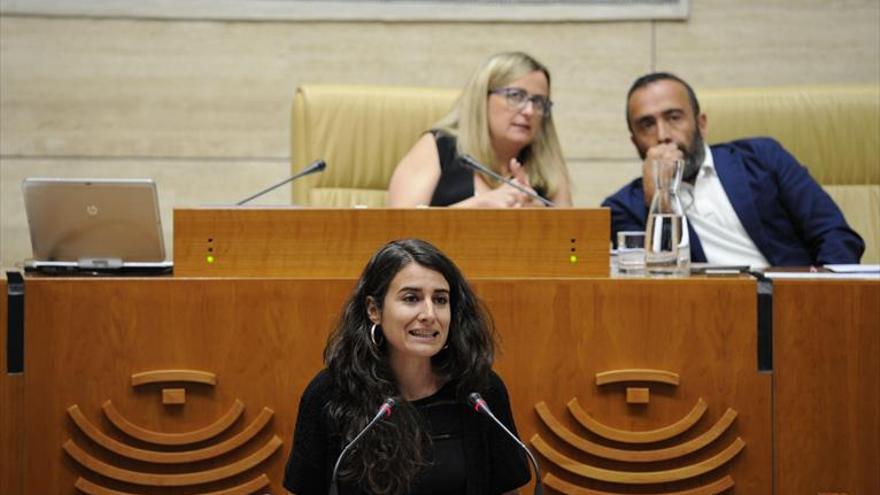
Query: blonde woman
x,y
503,119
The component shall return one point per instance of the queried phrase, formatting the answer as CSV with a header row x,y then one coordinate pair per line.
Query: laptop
x,y
94,225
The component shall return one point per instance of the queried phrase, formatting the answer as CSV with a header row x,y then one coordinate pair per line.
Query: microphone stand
x,y
316,166
479,405
479,167
384,411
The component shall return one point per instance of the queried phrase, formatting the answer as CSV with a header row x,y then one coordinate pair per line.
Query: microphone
x,y
384,411
315,166
479,167
476,401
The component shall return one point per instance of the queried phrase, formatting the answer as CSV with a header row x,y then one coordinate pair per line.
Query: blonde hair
x,y
469,123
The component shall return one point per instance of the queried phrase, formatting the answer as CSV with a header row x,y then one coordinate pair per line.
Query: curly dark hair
x,y
388,458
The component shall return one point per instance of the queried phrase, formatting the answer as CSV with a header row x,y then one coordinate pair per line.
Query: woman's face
x,y
415,314
515,126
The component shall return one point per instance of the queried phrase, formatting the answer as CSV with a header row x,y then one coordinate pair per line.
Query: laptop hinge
x,y
99,263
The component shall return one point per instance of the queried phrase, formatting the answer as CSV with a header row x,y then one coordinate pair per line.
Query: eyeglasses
x,y
518,99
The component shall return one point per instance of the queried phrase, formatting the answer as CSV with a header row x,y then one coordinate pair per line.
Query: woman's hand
x,y
520,176
505,196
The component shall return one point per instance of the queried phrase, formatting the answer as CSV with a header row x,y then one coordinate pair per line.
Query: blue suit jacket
x,y
790,218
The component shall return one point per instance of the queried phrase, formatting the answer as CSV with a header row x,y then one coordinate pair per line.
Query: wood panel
x,y
87,337
558,335
11,412
263,339
827,386
292,242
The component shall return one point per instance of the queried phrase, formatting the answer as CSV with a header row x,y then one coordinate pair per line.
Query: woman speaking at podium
x,y
503,120
412,343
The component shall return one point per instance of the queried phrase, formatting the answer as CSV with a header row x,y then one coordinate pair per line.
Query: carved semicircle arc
x,y
637,478
637,375
160,438
649,436
117,447
246,488
159,376
713,488
597,450
183,479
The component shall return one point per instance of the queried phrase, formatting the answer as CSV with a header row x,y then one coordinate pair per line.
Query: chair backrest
x,y
362,132
832,130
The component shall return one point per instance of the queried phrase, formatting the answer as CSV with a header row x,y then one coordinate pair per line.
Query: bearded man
x,y
747,202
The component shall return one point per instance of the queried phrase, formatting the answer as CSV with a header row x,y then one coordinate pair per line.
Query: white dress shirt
x,y
708,209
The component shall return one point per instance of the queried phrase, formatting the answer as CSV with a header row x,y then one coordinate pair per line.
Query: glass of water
x,y
631,252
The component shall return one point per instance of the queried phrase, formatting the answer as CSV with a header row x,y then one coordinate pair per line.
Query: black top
x,y
447,473
470,455
456,179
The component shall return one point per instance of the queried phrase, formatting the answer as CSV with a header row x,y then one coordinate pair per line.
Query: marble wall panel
x,y
758,43
595,180
117,87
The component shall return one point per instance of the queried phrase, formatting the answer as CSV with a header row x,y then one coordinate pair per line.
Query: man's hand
x,y
661,152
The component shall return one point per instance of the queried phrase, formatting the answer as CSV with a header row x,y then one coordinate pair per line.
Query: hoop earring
x,y
373,336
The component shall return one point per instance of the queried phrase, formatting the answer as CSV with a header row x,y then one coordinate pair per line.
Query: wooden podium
x,y
107,405
314,243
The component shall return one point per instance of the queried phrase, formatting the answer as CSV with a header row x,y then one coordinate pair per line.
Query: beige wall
x,y
204,106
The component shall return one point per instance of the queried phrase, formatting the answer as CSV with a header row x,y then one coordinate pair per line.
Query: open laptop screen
x,y
94,223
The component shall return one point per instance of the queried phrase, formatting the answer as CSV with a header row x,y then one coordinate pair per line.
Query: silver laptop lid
x,y
94,221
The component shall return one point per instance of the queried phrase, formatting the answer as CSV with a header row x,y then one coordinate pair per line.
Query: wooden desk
x,y
827,386
325,243
262,338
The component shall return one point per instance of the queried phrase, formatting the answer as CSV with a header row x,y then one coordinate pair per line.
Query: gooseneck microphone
x,y
383,412
315,166
473,164
476,401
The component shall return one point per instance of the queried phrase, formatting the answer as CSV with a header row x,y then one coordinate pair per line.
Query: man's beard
x,y
693,159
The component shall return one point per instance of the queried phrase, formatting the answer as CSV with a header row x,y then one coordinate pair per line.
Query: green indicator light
x,y
209,258
573,258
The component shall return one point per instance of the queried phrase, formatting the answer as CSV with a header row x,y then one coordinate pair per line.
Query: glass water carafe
x,y
667,242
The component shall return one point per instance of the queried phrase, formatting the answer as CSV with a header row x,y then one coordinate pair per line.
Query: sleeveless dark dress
x,y
456,179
